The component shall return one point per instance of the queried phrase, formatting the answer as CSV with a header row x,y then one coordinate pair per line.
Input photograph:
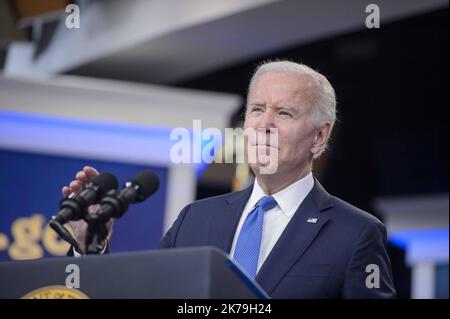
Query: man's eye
x,y
257,109
285,114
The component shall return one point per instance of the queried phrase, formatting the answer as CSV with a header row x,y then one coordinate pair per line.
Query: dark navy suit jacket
x,y
326,259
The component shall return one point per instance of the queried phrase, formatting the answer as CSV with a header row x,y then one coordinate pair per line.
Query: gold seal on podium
x,y
55,292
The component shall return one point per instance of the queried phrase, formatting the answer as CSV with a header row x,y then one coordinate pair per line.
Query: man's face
x,y
282,101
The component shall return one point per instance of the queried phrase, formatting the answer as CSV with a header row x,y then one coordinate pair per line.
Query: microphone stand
x,y
63,233
96,233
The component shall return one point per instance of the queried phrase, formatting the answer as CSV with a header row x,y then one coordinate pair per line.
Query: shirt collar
x,y
289,198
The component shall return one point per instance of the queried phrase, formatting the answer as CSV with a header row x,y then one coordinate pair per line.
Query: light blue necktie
x,y
248,245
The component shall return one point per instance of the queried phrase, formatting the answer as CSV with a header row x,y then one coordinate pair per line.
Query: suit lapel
x,y
296,238
226,219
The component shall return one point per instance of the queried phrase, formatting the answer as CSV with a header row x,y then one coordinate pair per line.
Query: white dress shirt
x,y
276,219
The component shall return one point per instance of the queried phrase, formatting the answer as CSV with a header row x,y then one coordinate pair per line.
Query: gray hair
x,y
324,101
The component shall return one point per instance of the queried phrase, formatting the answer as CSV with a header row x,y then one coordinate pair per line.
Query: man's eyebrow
x,y
289,108
257,104
286,108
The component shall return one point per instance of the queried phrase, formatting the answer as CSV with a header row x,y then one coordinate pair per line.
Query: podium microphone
x,y
115,204
74,206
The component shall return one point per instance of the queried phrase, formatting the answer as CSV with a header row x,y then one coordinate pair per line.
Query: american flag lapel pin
x,y
312,220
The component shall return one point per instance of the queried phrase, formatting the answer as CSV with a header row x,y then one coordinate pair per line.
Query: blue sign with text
x,y
31,191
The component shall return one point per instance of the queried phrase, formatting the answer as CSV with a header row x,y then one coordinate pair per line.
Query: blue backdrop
x,y
30,194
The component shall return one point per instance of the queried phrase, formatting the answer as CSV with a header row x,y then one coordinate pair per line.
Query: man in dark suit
x,y
285,230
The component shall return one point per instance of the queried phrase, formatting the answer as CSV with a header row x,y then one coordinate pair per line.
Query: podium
x,y
186,273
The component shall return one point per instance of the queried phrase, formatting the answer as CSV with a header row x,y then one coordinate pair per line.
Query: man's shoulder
x,y
348,213
220,200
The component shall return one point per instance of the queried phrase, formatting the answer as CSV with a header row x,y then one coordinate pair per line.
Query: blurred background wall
x,y
139,68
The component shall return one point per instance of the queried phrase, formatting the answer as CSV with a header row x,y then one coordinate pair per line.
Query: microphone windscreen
x,y
105,182
148,184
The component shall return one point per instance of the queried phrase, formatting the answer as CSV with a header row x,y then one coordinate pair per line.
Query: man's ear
x,y
321,138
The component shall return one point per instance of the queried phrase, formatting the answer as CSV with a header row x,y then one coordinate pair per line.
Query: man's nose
x,y
267,120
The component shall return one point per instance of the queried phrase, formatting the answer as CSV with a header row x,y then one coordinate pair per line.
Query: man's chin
x,y
263,168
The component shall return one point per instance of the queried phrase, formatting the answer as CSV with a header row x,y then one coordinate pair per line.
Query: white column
x,y
423,280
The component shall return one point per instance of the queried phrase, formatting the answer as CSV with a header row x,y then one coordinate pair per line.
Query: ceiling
x,y
167,42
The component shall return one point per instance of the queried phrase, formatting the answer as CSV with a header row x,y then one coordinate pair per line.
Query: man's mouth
x,y
265,145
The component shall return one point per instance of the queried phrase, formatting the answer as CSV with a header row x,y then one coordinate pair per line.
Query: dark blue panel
x,y
441,283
